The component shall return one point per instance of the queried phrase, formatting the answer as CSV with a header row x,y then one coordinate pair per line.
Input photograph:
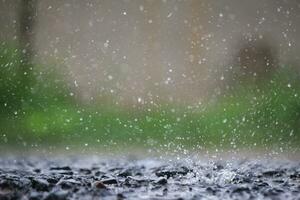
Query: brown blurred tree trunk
x,y
27,18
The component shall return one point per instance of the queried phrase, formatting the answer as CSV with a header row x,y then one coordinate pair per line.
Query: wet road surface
x,y
72,178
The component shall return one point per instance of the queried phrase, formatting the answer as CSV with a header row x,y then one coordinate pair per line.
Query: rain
x,y
149,99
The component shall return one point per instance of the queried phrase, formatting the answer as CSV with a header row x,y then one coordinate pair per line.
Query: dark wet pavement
x,y
73,178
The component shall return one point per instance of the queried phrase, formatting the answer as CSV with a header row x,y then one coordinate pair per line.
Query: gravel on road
x,y
35,178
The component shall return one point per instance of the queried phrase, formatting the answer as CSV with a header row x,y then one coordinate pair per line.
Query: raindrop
x,y
75,83
106,44
139,99
141,8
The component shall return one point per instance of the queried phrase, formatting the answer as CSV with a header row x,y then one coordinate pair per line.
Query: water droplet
x,y
141,8
75,83
106,44
139,99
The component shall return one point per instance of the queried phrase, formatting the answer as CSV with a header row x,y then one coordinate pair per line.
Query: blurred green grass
x,y
249,115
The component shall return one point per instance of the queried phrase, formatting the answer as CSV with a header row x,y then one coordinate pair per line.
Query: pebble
x,y
40,184
161,181
109,181
99,185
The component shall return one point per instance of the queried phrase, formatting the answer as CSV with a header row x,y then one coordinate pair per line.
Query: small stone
x,y
241,190
35,196
211,190
57,195
161,181
109,181
120,196
125,173
134,182
68,184
295,175
53,180
37,170
172,172
273,173
99,173
272,192
66,173
65,168
85,171
99,185
40,184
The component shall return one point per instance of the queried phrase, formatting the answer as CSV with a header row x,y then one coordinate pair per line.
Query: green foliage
x,y
247,116
262,115
9,80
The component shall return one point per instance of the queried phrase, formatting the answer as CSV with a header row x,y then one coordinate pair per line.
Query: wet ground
x,y
72,178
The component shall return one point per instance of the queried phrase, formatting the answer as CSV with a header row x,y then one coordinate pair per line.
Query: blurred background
x,y
154,74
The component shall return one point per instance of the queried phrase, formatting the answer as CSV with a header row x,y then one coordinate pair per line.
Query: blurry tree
x,y
151,36
27,18
256,59
254,63
197,17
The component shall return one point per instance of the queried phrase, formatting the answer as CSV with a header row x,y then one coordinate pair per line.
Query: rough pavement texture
x,y
72,178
